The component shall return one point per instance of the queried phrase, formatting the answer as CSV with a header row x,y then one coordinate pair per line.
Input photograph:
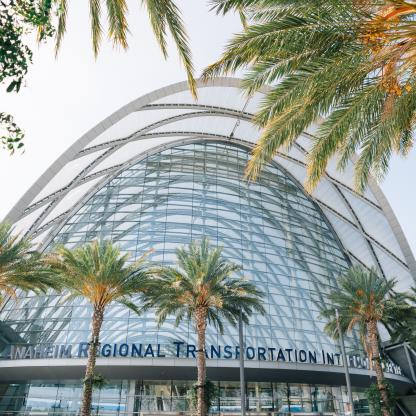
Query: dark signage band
x,y
183,350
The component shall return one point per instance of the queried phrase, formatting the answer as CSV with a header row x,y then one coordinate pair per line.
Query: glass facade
x,y
142,397
271,227
158,173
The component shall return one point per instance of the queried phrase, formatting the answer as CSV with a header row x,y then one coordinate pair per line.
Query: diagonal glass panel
x,y
129,150
210,124
254,103
352,239
23,225
70,199
246,130
394,270
374,223
347,177
67,174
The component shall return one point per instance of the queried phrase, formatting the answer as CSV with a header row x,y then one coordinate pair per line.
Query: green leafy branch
x,y
97,381
374,398
11,135
18,19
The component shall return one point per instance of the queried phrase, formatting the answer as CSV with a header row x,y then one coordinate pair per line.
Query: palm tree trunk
x,y
201,324
373,337
97,320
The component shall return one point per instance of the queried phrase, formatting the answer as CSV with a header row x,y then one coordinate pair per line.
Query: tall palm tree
x,y
364,300
165,18
202,290
20,266
351,63
99,273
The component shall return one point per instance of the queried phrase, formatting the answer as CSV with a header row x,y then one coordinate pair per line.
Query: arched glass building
x,y
158,173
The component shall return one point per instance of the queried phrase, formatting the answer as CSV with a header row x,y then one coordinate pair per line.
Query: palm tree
x,y
404,329
99,273
201,289
351,63
20,266
165,17
365,300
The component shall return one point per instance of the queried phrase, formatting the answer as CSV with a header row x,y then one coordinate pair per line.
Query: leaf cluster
x,y
349,63
99,273
210,394
11,135
165,19
97,381
202,281
374,398
17,19
403,329
15,56
20,266
363,296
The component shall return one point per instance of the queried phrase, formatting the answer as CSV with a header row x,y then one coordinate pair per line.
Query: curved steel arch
x,y
99,128
145,103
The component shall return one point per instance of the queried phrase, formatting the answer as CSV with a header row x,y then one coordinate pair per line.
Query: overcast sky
x,y
65,97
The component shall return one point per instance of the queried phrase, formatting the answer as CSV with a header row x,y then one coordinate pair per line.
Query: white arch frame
x,y
79,149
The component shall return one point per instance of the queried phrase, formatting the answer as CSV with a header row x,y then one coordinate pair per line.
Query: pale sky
x,y
65,97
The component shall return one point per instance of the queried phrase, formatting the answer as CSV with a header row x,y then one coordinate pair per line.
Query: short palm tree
x,y
202,289
20,266
99,273
364,300
351,63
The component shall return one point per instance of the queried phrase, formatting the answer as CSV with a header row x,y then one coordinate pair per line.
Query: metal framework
x,y
364,223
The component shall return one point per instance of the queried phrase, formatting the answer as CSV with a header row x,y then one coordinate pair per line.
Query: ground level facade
x,y
133,397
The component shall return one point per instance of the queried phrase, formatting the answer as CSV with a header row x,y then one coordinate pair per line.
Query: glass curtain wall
x,y
270,227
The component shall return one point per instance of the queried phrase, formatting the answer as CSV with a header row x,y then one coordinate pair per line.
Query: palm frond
x,y
99,273
20,266
117,20
364,296
347,62
96,28
165,14
62,12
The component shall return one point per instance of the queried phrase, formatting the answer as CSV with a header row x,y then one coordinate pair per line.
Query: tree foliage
x,y
404,328
202,279
17,19
350,63
211,394
11,135
374,398
363,296
20,266
99,273
365,300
